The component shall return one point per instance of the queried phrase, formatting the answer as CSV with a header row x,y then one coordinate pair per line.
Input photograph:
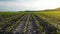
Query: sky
x,y
21,5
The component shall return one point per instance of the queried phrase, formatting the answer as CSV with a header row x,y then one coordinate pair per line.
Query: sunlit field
x,y
44,22
52,17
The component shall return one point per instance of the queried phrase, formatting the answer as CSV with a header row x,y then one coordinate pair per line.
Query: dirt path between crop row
x,y
32,28
21,25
